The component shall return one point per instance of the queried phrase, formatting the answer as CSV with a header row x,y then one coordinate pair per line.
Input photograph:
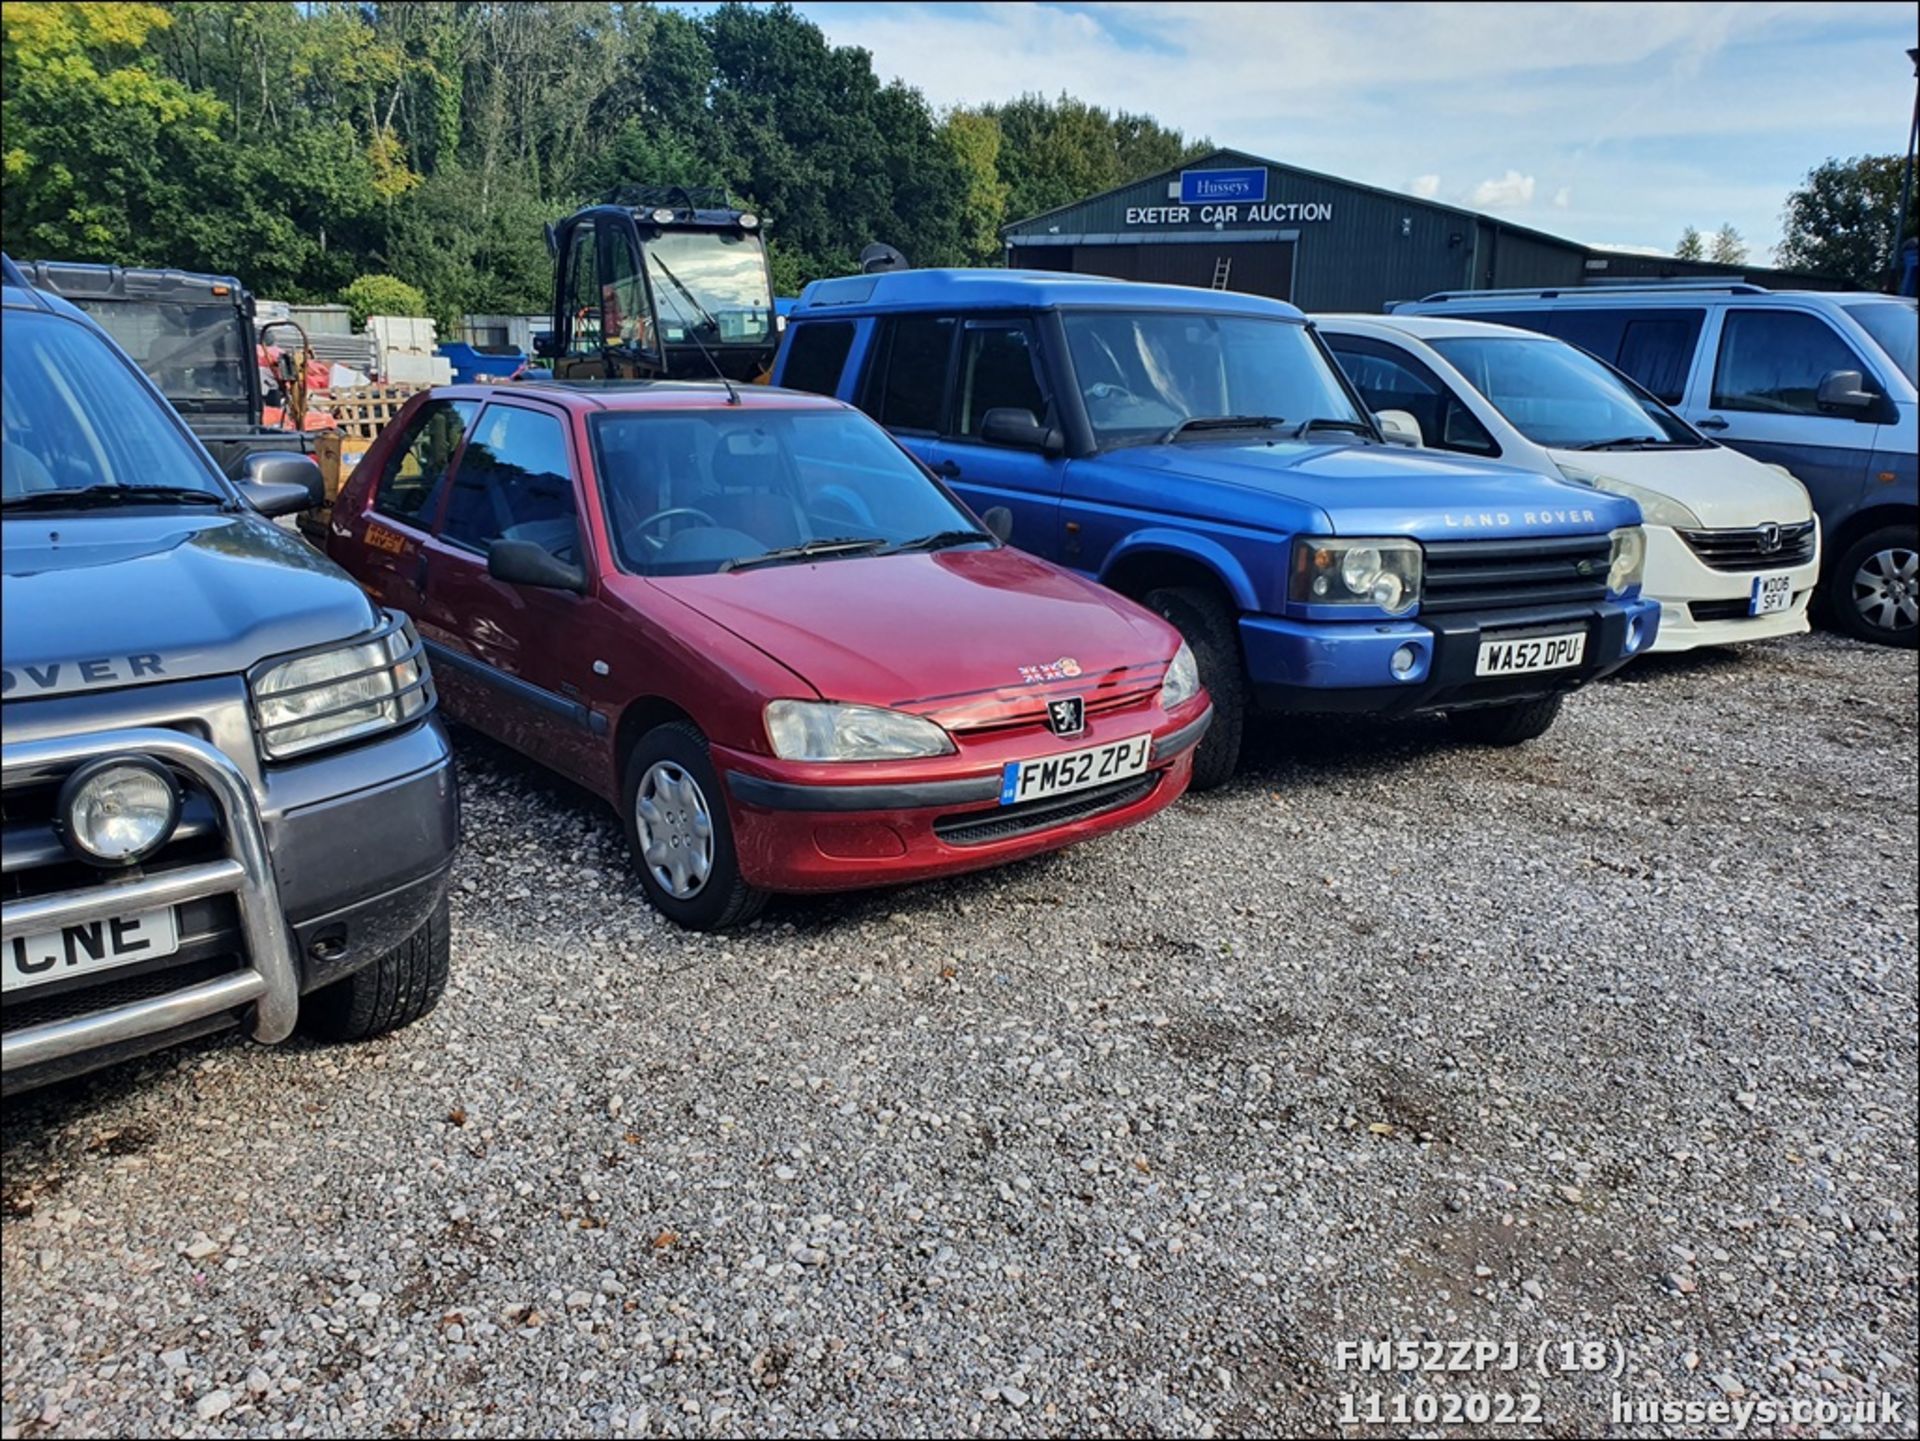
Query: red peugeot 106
x,y
751,621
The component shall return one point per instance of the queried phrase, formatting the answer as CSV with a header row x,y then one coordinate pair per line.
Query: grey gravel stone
x,y
1052,1150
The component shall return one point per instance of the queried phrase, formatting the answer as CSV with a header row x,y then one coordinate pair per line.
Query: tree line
x,y
304,147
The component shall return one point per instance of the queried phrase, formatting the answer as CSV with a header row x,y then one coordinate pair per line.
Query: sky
x,y
1613,124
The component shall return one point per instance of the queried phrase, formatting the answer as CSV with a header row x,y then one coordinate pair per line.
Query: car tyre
x,y
692,830
1211,630
1506,725
395,991
1873,590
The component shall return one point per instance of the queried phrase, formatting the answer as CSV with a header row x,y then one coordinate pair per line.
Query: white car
x,y
1733,546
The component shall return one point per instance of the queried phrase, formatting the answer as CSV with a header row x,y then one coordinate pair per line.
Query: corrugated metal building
x,y
1233,221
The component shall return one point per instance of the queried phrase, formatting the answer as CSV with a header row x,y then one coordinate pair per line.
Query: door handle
x,y
420,573
1712,422
948,470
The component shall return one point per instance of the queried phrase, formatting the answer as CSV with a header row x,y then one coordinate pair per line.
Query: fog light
x,y
118,810
1405,661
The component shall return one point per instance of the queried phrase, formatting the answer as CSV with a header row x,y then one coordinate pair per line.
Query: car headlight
x,y
1655,508
329,696
118,810
1628,563
808,730
1384,574
1183,679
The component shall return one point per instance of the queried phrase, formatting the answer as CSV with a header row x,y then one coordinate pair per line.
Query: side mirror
x,y
1400,427
999,523
1844,390
281,482
521,562
1007,425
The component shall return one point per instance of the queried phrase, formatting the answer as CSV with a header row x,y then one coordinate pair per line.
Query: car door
x,y
390,554
1758,396
999,365
516,659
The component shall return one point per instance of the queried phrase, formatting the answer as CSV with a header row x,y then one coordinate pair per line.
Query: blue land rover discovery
x,y
1199,451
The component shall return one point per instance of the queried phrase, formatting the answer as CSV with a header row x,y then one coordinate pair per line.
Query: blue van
x,y
1823,384
1201,452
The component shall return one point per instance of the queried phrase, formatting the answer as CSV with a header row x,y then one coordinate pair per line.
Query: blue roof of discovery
x,y
1020,290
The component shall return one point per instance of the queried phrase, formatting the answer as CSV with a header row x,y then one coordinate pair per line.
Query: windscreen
x,y
711,286
689,492
75,417
1556,395
196,354
1895,327
1141,373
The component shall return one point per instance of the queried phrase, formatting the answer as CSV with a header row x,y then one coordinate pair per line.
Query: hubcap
x,y
676,830
1886,588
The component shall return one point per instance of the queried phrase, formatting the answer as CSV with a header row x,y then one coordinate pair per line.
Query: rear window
x,y
410,486
816,354
907,388
75,416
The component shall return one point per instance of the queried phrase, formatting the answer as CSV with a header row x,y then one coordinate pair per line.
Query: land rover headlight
x,y
1655,508
1384,574
806,730
1183,679
118,810
326,697
1628,563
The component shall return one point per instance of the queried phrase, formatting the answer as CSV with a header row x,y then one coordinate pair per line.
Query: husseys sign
x,y
1229,197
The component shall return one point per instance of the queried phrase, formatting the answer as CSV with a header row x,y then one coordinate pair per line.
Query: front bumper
x,y
347,856
1701,606
807,828
1345,667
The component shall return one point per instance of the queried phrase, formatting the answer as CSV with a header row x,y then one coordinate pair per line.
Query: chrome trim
x,y
272,984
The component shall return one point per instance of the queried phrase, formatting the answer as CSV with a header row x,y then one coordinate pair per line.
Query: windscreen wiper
x,y
93,497
1328,422
1223,422
1633,442
707,322
840,545
939,540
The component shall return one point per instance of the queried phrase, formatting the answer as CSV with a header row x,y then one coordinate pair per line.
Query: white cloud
x,y
1512,191
1563,197
1424,186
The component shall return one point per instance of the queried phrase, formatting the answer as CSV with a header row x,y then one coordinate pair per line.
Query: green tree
x,y
381,295
1056,151
1840,221
974,140
1729,247
1691,246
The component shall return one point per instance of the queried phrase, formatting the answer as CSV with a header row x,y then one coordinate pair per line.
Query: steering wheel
x,y
659,542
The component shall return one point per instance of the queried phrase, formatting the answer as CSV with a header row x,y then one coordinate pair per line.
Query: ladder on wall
x,y
1222,268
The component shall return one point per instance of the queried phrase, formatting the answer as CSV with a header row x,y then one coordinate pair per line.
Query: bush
x,y
381,295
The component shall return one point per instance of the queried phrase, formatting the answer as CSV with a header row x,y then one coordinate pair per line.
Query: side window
x,y
996,369
623,298
1656,349
1390,379
409,488
907,388
816,352
515,482
585,307
1773,360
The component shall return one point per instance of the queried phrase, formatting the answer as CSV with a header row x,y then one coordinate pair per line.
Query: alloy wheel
x,y
1886,588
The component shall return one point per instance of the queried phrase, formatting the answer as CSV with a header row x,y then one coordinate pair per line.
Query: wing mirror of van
x,y
1011,426
1844,390
1400,427
281,482
521,562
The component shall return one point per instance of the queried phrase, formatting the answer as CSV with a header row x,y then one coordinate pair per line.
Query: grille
x,y
1718,609
975,828
1500,574
1753,547
108,992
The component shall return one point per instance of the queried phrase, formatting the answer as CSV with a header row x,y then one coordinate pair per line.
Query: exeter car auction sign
x,y
1226,197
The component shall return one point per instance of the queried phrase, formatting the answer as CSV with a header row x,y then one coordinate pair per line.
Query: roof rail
x,y
1530,292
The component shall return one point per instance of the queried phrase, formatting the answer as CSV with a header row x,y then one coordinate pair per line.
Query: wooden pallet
x,y
361,411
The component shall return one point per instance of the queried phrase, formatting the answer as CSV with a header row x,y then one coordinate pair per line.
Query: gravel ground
x,y
1610,1038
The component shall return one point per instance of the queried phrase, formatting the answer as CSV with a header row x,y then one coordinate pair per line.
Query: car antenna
x,y
733,396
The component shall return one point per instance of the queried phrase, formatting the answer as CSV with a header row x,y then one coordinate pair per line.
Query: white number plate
x,y
90,946
1771,594
1073,770
1540,652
